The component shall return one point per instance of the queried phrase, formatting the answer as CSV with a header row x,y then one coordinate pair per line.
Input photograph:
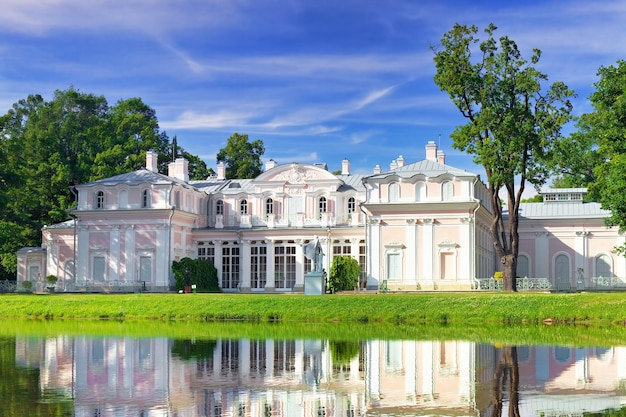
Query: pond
x,y
69,374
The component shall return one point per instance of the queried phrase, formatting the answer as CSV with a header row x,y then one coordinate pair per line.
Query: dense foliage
x,y
513,123
242,157
344,274
198,272
46,147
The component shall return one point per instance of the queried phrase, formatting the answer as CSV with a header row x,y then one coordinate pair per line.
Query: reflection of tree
x,y
193,349
342,352
506,374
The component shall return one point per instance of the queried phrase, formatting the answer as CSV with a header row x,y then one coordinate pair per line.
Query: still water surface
x,y
124,376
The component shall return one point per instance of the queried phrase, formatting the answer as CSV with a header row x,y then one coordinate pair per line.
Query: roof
x,y
562,210
427,167
352,182
141,176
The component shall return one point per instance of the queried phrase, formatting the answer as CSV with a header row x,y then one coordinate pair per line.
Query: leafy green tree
x,y
605,130
201,272
242,157
512,123
344,274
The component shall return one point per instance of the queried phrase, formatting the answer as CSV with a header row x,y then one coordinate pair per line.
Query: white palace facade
x,y
416,226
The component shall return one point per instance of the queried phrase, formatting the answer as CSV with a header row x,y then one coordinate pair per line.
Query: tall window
x,y
145,199
523,266
258,266
284,266
362,260
230,267
394,192
269,206
322,206
420,191
219,207
207,252
341,248
603,266
394,267
284,357
351,205
100,199
447,191
243,207
98,268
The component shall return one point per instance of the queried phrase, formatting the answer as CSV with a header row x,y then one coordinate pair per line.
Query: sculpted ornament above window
x,y
296,175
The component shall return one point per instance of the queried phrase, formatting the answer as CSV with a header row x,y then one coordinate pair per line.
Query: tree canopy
x,y
513,124
48,146
242,157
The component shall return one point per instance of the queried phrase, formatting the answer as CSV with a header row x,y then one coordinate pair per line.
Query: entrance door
x,y
145,269
562,272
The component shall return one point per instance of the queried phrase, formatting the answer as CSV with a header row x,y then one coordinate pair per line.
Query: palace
x,y
415,226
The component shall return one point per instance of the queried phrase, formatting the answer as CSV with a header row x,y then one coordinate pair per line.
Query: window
x,y
603,266
394,267
394,192
284,265
420,191
145,269
219,207
230,267
447,191
322,205
145,198
100,199
243,207
284,357
523,266
207,253
258,266
351,205
269,206
98,268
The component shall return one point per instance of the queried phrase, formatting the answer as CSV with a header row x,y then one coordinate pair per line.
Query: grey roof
x,y
554,210
427,167
352,182
141,176
63,225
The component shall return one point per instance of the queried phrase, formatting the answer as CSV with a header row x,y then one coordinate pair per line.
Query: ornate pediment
x,y
296,174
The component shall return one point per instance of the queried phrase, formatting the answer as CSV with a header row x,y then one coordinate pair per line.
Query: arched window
x,y
522,266
447,191
269,206
351,205
322,205
243,206
603,266
100,199
219,207
420,191
394,192
145,198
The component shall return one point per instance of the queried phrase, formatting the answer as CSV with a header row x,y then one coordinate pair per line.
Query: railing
x,y
112,286
523,284
607,283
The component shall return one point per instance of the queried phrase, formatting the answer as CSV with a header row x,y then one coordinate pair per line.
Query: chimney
x,y
441,157
393,165
221,171
377,169
270,164
345,167
400,161
431,150
179,169
152,161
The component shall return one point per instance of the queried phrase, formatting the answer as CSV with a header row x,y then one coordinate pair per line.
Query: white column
x,y
129,257
82,256
542,254
373,378
428,370
465,251
269,284
428,251
114,254
218,260
299,284
162,258
411,248
580,260
244,262
375,270
410,377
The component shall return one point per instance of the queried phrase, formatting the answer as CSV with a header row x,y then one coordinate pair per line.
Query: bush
x,y
202,274
344,274
27,285
51,280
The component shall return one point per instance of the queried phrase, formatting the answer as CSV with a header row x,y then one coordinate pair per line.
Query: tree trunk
x,y
506,373
509,268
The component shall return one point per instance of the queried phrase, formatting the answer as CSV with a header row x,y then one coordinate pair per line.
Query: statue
x,y
313,252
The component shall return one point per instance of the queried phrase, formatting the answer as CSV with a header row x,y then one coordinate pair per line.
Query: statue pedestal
x,y
314,283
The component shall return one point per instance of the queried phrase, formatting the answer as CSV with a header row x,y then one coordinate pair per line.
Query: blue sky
x,y
316,81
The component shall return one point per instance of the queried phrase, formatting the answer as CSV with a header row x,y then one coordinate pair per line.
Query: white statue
x,y
313,252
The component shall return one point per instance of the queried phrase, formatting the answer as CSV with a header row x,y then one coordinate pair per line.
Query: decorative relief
x,y
428,221
410,221
296,175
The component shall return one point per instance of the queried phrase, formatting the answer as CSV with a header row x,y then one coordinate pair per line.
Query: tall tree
x,y
242,157
605,128
512,123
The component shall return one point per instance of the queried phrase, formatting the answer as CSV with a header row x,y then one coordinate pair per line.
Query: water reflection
x,y
244,377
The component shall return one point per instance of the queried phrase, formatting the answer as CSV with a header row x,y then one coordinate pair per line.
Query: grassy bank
x,y
451,308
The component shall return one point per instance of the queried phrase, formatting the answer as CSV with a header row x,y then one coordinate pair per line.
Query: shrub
x,y
27,285
344,274
51,280
202,273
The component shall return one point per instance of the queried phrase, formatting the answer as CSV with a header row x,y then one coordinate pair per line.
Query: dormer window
x,y
219,207
100,199
145,198
269,206
394,192
322,205
447,191
243,207
351,205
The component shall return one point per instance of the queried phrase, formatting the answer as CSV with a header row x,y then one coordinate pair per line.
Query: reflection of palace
x,y
122,376
417,226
